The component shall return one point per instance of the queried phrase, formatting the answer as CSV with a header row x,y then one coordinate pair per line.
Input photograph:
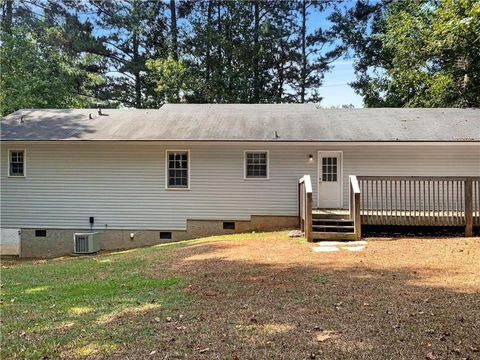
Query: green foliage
x,y
415,53
222,51
35,75
171,78
59,53
43,59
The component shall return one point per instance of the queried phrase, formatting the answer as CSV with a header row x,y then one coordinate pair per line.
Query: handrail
x,y
415,177
355,214
305,206
354,184
421,200
308,183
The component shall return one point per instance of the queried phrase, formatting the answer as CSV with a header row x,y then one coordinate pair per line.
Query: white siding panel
x,y
123,184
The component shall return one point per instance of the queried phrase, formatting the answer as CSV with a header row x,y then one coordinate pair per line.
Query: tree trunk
x,y
7,16
231,96
256,85
208,59
218,86
136,73
281,74
303,70
173,25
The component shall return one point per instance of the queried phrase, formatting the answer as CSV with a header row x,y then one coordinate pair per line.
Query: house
x,y
141,177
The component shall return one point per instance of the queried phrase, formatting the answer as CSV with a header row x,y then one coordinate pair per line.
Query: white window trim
x,y
245,166
166,171
24,164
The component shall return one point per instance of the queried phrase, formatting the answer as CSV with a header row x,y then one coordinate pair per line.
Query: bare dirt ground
x,y
272,297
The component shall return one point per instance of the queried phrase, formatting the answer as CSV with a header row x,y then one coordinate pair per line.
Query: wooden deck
x,y
417,200
393,200
417,218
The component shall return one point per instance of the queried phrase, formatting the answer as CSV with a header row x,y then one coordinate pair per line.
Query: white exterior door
x,y
329,179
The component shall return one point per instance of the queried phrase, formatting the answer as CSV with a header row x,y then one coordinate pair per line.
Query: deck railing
x,y
418,200
305,206
476,201
354,202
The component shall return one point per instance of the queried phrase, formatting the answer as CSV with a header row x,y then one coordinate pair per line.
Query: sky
x,y
335,90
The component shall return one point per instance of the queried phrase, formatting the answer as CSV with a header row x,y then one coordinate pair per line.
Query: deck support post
x,y
357,218
355,214
469,207
300,207
305,206
308,218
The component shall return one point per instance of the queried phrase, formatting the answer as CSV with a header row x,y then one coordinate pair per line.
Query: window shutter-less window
x,y
177,169
17,163
256,164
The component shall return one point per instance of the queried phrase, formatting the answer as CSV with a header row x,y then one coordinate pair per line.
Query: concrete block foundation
x,y
59,242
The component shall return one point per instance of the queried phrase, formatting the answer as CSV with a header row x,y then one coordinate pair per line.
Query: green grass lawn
x,y
56,306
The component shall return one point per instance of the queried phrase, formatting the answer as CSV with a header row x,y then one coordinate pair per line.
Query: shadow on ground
x,y
285,305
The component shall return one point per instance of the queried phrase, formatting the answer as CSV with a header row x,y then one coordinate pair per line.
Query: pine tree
x,y
134,31
311,60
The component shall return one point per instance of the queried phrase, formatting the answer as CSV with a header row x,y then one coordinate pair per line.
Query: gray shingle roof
x,y
242,122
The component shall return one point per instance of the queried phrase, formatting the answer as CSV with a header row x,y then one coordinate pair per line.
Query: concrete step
x,y
320,235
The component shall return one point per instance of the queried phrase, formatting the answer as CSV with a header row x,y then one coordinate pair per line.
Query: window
x,y
329,169
256,164
177,169
16,163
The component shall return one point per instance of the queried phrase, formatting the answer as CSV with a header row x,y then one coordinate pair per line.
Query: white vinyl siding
x,y
123,184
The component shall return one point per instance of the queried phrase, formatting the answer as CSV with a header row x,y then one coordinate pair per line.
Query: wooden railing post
x,y
354,200
300,206
357,220
308,218
351,202
468,207
305,206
